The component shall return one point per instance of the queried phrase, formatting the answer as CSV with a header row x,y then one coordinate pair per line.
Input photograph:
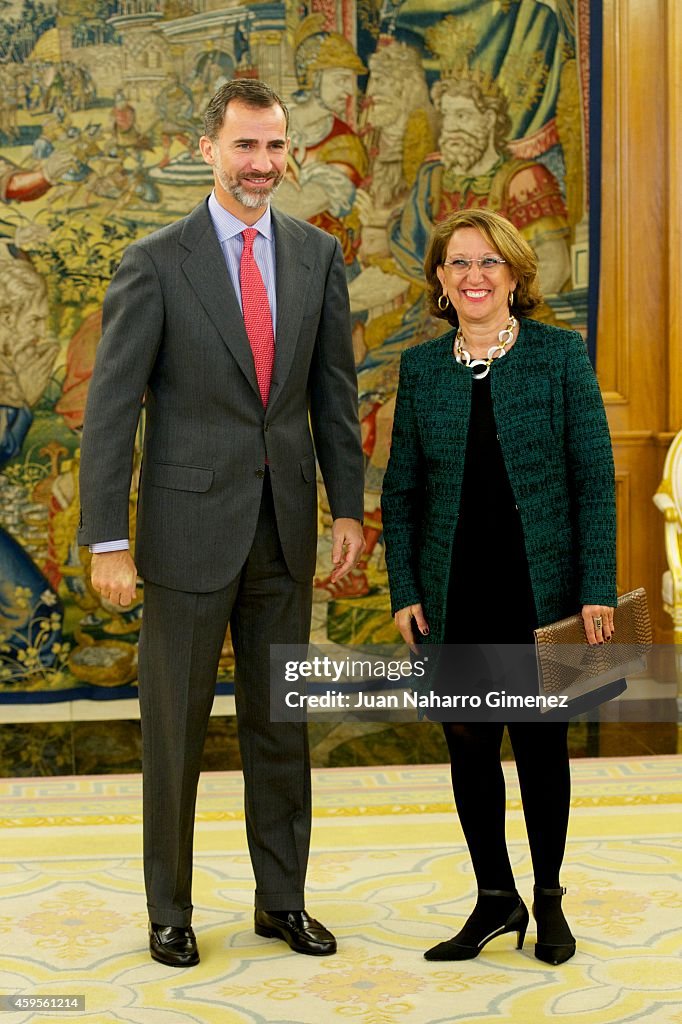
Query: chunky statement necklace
x,y
504,338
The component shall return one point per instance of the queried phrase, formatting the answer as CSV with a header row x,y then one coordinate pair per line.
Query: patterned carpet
x,y
389,873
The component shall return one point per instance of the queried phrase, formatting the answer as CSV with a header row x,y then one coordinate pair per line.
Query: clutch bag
x,y
569,666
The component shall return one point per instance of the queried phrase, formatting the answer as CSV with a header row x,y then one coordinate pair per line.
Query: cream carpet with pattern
x,y
389,873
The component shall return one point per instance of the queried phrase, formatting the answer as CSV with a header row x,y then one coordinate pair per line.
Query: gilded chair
x,y
668,499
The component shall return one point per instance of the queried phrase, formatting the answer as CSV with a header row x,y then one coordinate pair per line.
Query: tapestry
x,y
401,111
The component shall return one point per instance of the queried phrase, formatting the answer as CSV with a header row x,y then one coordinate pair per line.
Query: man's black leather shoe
x,y
174,947
303,933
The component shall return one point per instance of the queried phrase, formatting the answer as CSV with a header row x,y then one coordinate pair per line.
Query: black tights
x,y
541,753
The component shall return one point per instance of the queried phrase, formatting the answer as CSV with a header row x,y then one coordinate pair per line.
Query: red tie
x,y
257,315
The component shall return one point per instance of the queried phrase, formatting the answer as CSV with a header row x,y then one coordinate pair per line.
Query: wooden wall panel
x,y
674,204
640,528
639,345
632,355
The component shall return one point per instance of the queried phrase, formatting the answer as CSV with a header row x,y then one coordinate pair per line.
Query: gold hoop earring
x,y
511,299
443,305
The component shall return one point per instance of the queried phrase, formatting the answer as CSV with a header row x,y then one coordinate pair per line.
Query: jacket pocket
x,y
308,468
179,478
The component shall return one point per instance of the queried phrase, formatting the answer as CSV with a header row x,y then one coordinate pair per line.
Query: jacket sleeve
x,y
334,399
402,500
591,479
132,326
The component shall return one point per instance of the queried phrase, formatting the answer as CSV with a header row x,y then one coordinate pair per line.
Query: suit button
x,y
267,427
260,473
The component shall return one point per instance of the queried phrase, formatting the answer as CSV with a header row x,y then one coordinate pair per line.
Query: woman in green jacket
x,y
499,516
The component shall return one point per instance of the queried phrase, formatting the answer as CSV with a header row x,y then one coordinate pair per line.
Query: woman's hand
x,y
406,619
598,622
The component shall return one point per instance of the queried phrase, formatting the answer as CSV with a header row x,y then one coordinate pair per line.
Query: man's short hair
x,y
249,91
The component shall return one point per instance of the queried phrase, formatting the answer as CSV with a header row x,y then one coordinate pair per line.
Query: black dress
x,y
490,598
491,611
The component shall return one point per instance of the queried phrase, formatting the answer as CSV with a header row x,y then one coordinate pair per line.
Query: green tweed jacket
x,y
557,451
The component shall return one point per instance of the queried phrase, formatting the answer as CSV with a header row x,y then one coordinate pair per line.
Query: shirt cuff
x,y
109,545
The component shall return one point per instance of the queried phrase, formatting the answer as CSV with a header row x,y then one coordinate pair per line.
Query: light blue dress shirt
x,y
228,229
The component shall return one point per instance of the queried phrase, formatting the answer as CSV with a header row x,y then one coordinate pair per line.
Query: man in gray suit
x,y
227,520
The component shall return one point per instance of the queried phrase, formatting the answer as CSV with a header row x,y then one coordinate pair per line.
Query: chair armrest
x,y
665,504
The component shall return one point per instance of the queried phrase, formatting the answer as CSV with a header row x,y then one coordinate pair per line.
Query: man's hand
x,y
114,576
406,619
348,543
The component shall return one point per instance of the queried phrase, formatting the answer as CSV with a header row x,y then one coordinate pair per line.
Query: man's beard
x,y
460,150
382,113
253,199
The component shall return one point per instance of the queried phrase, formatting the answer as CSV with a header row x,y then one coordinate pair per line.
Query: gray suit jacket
x,y
173,332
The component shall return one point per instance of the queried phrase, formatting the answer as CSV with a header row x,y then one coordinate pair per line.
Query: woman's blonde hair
x,y
504,238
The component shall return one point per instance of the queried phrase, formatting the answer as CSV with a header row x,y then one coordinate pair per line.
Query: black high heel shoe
x,y
496,912
557,945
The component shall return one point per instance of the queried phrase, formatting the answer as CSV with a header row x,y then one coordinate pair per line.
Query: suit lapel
x,y
294,267
206,272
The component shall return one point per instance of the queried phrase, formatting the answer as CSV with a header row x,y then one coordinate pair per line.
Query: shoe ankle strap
x,y
497,892
539,890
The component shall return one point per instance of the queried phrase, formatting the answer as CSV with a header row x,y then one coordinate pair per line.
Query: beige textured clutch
x,y
569,666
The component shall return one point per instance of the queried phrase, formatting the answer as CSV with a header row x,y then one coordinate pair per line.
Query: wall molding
x,y
623,527
632,437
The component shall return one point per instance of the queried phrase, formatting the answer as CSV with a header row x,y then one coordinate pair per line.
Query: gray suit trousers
x,y
180,643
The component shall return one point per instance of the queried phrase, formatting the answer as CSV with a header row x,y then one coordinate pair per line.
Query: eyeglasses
x,y
462,266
